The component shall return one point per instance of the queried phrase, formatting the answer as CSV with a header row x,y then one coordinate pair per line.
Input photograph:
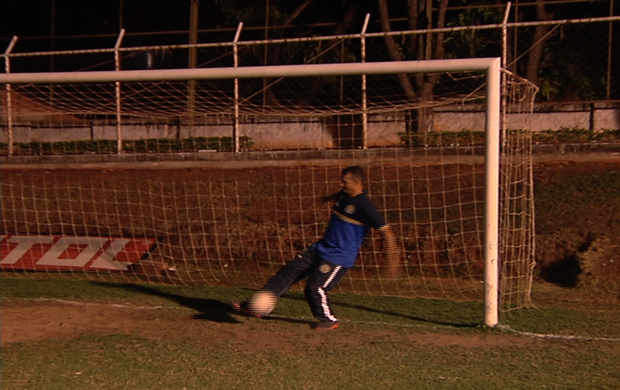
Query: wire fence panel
x,y
570,60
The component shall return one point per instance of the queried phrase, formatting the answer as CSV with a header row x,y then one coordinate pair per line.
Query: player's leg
x,y
322,279
294,271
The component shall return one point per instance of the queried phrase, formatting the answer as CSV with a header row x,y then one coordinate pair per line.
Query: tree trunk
x,y
395,54
424,44
538,44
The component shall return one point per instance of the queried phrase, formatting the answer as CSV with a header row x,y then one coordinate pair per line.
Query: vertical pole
x,y
192,63
52,33
609,50
266,51
117,67
364,86
505,36
236,119
504,66
121,7
515,38
491,215
9,101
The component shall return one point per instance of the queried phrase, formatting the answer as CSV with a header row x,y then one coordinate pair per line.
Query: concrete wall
x,y
545,117
318,132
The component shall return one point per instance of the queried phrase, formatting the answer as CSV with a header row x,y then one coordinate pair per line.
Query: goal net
x,y
216,178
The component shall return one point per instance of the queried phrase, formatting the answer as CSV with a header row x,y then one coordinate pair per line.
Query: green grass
x,y
131,362
393,343
554,318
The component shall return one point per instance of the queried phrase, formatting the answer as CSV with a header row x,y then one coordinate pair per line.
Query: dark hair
x,y
356,171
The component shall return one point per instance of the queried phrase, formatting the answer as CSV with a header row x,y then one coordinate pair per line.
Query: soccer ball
x,y
262,303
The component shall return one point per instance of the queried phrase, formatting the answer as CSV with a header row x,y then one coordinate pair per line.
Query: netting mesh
x,y
284,96
225,217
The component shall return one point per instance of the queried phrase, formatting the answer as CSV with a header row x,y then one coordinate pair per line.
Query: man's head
x,y
352,179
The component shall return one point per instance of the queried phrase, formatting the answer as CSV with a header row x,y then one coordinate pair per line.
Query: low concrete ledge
x,y
396,155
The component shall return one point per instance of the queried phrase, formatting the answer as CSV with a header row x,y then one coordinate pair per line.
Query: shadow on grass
x,y
453,324
218,311
421,319
289,320
208,309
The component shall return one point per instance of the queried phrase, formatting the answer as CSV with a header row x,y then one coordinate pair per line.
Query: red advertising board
x,y
63,253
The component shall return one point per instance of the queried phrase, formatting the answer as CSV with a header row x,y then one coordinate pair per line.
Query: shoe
x,y
327,325
242,307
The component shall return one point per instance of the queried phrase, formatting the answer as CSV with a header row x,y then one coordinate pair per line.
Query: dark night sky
x,y
33,18
35,21
76,17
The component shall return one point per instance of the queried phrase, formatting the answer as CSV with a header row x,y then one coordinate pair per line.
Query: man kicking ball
x,y
326,261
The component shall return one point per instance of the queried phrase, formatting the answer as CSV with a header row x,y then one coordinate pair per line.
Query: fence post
x,y
364,90
609,50
9,106
192,63
505,67
117,67
236,64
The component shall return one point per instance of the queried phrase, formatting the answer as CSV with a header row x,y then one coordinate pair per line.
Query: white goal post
x,y
490,66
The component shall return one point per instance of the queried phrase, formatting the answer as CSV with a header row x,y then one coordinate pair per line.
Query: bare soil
x,y
31,321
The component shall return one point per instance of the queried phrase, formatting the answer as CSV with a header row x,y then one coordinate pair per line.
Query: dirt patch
x,y
578,225
30,321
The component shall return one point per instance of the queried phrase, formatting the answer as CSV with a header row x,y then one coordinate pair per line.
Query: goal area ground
x,y
460,203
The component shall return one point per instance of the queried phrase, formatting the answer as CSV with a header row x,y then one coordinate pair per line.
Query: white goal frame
x,y
491,66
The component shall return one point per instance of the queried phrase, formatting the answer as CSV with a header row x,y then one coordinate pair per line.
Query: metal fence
x,y
576,60
578,63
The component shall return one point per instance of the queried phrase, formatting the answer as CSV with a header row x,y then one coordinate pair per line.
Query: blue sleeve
x,y
371,216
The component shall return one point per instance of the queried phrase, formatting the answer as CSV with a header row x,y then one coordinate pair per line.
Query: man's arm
x,y
392,252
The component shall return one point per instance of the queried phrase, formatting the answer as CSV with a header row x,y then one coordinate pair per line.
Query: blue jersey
x,y
349,223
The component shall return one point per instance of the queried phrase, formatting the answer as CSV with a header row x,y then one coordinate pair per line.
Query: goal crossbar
x,y
491,66
307,70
